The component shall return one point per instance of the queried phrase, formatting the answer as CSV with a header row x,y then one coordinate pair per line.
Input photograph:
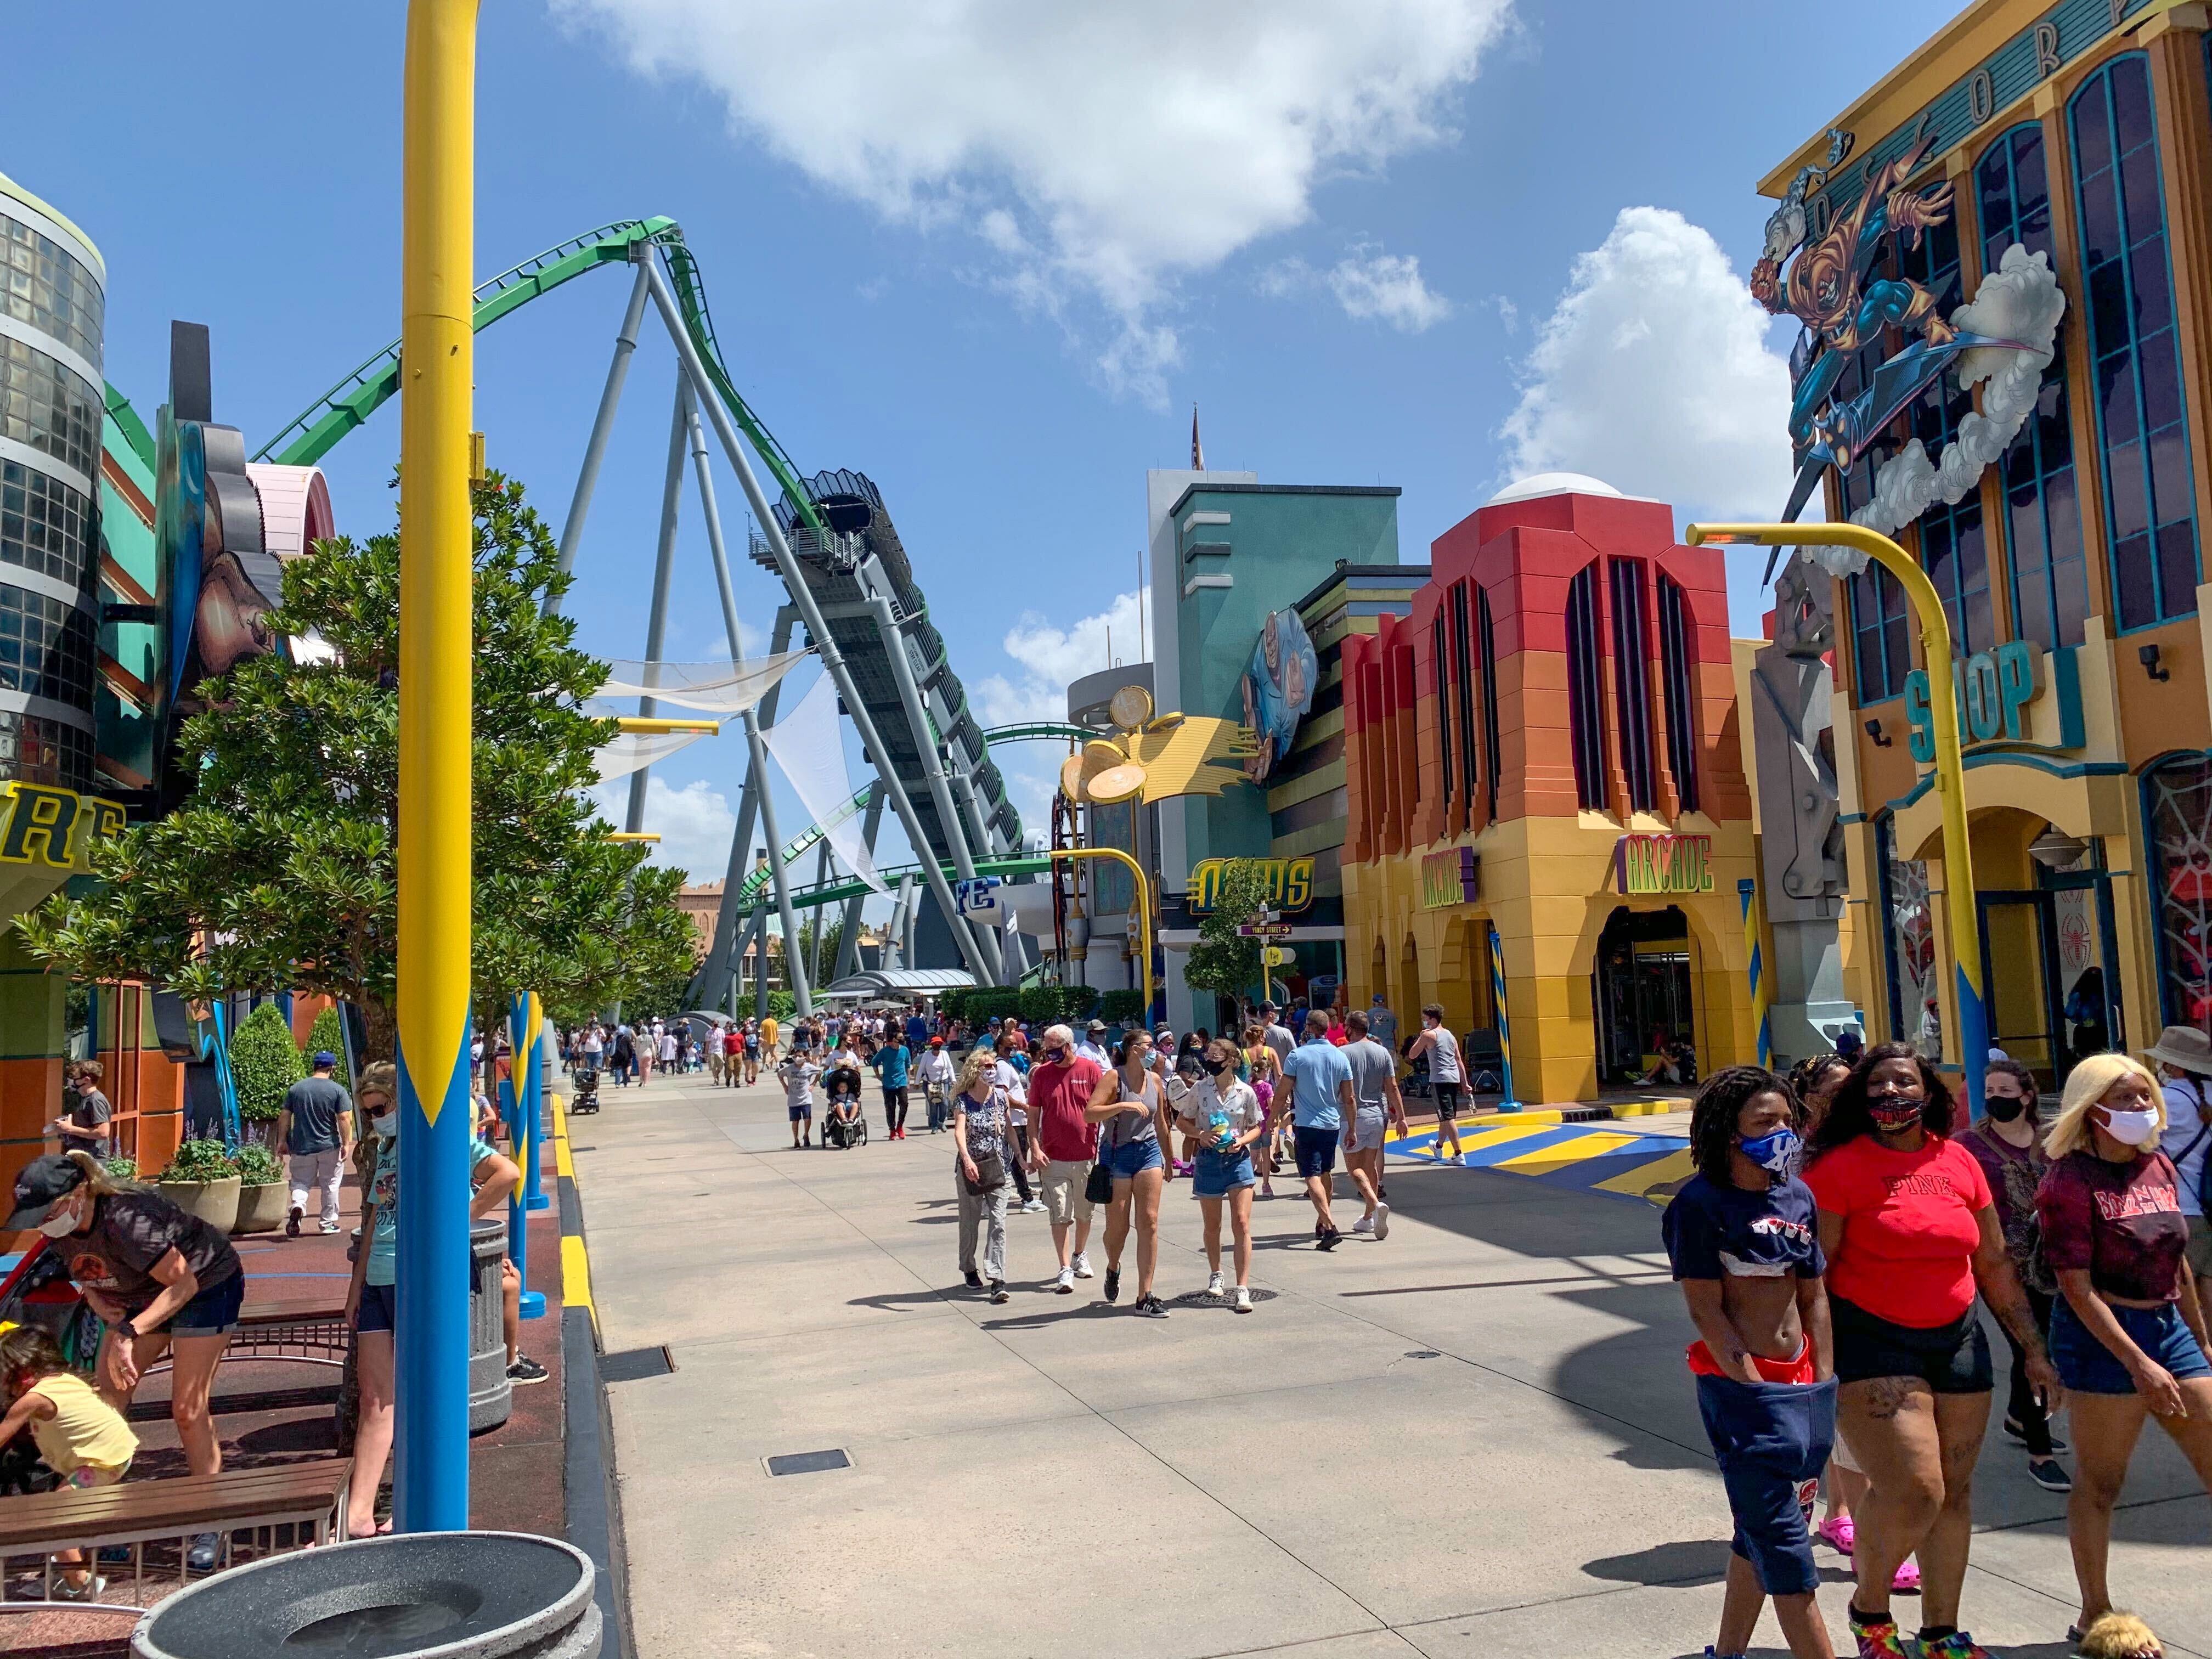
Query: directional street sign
x,y
1264,930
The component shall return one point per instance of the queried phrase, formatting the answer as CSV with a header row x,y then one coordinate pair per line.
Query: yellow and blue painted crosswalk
x,y
1610,1157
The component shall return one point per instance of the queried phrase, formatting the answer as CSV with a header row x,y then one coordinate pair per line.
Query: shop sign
x,y
1451,877
42,825
1664,864
1290,883
1990,689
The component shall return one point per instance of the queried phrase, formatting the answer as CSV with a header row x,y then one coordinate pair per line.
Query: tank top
x,y
84,1428
1118,1130
1443,1057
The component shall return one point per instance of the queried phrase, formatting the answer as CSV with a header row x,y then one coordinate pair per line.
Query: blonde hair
x,y
97,1181
380,1078
981,1059
2086,1086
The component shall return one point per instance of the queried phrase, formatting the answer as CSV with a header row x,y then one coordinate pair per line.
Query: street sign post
x,y
1264,930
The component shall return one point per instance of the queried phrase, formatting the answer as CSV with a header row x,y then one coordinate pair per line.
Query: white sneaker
x,y
1082,1266
1364,1225
1213,1284
1065,1283
1243,1302
1382,1220
1035,1206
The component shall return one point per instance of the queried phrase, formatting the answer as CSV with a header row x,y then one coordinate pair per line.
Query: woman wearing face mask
x,y
2128,1337
2004,1144
163,1281
372,1298
1224,1119
1131,1109
1910,1231
1741,1240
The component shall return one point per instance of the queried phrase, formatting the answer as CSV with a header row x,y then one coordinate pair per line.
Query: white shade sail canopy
x,y
721,687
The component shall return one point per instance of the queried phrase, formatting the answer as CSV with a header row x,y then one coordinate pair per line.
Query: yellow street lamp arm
x,y
1143,909
1959,902
652,725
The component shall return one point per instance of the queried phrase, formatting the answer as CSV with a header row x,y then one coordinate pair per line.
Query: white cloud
x,y
1099,152
695,823
1375,286
1048,658
1653,373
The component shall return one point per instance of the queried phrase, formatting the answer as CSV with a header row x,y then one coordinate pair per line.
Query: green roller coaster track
x,y
348,405
811,836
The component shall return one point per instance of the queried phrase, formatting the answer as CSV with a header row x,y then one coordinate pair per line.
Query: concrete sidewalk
x,y
1475,1439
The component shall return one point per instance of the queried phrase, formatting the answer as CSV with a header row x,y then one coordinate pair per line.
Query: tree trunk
x,y
381,1024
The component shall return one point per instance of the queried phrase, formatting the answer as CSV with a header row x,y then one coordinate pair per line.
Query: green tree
x,y
328,1036
1224,961
264,1062
278,871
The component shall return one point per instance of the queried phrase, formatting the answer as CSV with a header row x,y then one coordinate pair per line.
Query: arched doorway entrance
x,y
1643,991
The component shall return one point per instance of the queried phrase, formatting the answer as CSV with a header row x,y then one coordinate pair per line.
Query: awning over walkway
x,y
901,982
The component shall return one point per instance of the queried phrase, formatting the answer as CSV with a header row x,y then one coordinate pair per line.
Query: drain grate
x,y
1202,1300
632,1364
808,1462
1422,1353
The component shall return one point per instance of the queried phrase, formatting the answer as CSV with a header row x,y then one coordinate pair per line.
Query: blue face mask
x,y
1771,1151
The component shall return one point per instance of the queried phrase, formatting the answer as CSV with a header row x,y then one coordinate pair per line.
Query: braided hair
x,y
1721,1100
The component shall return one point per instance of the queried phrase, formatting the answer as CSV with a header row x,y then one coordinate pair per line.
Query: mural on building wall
x,y
1278,688
1836,284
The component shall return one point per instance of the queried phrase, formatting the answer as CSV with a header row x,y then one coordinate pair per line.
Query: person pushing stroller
x,y
845,1125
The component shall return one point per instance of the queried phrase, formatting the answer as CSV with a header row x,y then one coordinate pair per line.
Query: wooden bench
x,y
309,1499
311,1328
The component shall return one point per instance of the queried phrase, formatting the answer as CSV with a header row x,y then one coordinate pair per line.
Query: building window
x,y
2142,424
1631,684
1444,707
1585,691
34,750
2178,820
1881,637
46,527
1676,664
1915,1012
1953,547
49,406
46,648
1491,748
2043,509
41,283
1463,692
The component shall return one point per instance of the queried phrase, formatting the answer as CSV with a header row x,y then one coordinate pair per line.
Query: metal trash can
x,y
457,1594
491,1395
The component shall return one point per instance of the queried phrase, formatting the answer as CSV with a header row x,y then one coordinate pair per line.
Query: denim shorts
x,y
2086,1365
380,1309
805,1110
1132,1157
213,1312
1769,1440
1212,1174
1316,1150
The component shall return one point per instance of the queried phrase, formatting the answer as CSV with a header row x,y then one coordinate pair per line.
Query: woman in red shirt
x,y
2128,1334
1910,1231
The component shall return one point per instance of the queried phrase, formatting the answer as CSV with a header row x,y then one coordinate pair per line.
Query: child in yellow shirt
x,y
81,1437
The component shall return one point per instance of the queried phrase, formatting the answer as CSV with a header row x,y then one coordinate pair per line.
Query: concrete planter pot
x,y
262,1209
405,1595
214,1202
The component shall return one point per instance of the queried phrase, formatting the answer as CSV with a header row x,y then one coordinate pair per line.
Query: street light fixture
x,y
1143,909
1950,780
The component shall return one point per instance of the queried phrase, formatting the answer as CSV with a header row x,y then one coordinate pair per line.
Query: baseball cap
x,y
937,1043
324,1057
43,1181
1268,1008
1096,1025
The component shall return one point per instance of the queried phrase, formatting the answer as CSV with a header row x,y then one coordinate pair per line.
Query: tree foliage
x,y
278,872
264,1062
1223,961
327,1035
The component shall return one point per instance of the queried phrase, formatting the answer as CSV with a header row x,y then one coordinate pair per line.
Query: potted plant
x,y
201,1180
262,1191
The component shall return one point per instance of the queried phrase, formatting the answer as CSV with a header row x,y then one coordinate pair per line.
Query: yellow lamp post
x,y
430,1462
1959,904
1143,907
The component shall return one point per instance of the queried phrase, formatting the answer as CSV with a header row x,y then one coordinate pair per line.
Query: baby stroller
x,y
586,1079
842,1090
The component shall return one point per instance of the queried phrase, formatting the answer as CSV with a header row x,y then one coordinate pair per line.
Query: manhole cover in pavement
x,y
1422,1353
632,1364
1207,1299
808,1462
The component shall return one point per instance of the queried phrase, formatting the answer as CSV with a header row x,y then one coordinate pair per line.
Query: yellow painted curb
x,y
577,1276
1651,1108
562,1165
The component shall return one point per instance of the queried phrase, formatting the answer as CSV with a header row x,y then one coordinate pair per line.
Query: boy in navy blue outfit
x,y
1742,1240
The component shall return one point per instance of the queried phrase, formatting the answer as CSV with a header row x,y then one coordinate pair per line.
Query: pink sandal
x,y
1908,1576
1841,1532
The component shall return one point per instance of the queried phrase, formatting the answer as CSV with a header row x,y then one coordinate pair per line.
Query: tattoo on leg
x,y
1886,1396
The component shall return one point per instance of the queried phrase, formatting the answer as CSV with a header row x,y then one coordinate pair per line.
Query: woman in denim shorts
x,y
2128,1334
1130,1106
1223,1120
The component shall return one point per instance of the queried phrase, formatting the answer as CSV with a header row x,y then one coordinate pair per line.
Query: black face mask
x,y
2004,1107
1217,1066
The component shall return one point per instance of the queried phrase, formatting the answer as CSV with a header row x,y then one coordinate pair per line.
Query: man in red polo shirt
x,y
1065,1143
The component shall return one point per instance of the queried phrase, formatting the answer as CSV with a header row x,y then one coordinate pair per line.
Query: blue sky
x,y
990,254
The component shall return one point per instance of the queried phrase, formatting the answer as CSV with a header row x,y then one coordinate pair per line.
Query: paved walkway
x,y
1474,1438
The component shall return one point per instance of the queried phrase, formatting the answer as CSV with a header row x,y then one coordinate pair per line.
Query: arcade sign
x,y
1290,883
52,828
1663,864
1449,878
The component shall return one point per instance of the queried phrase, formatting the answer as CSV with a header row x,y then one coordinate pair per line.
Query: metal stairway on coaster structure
x,y
855,563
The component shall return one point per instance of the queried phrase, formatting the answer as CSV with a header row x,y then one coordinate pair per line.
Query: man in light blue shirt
x,y
1321,1100
1092,1047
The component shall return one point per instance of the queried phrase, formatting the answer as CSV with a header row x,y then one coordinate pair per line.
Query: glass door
x,y
2087,986
2021,958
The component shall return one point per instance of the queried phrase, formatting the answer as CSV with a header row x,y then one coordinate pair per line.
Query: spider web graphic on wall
x,y
2180,807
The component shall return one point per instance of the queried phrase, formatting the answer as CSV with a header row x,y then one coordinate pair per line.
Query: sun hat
x,y
2183,1047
